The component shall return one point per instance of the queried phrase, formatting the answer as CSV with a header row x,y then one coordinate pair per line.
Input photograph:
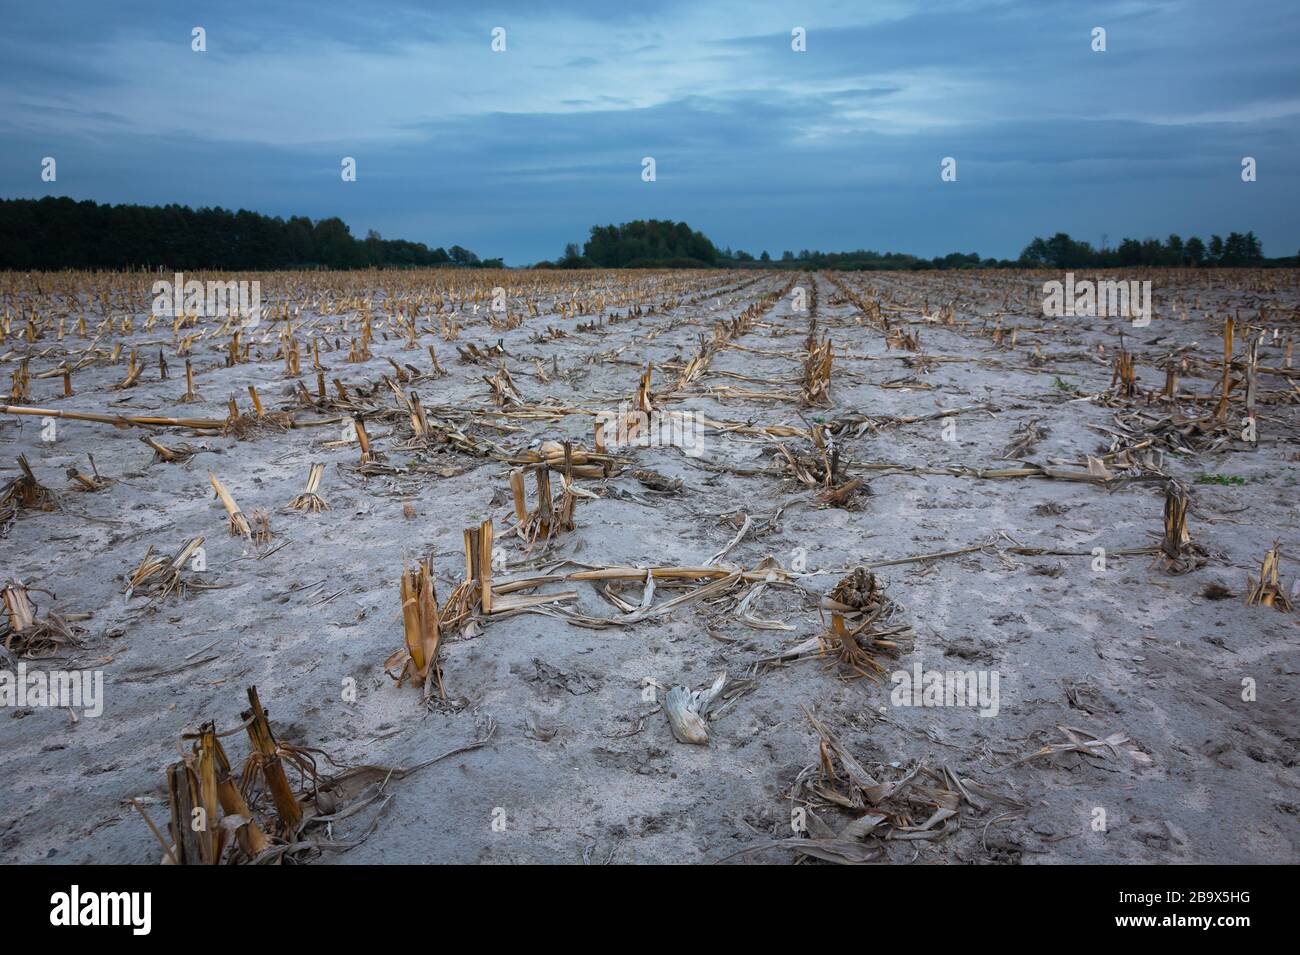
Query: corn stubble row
x,y
257,814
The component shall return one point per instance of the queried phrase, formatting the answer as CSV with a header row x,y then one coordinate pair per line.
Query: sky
x,y
761,147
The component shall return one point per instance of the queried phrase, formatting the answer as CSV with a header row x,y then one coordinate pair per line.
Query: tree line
x,y
662,244
61,233
1058,252
1063,252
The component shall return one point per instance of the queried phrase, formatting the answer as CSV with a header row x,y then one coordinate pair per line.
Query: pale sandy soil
x,y
582,765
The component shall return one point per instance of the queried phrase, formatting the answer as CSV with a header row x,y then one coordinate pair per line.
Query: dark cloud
x,y
515,154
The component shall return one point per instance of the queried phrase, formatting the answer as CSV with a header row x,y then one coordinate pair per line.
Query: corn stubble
x,y
28,634
265,808
277,809
25,493
1178,553
159,577
310,498
1267,590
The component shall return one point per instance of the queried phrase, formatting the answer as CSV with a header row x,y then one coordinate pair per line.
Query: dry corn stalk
x,y
238,423
687,711
262,535
1178,554
119,420
265,760
844,642
25,634
820,467
170,455
310,499
214,814
1252,375
419,421
190,394
203,763
568,502
906,339
585,464
92,482
238,523
844,495
19,607
1123,378
550,517
243,425
251,839
503,387
482,572
158,576
1267,591
133,371
1222,412
422,627
368,454
815,389
25,493
186,848
1023,439
631,423
21,387
1170,390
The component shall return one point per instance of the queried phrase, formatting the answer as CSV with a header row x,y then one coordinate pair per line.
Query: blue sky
x,y
516,153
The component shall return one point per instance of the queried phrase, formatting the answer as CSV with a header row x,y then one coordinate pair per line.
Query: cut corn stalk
x,y
190,394
265,760
159,576
1226,386
262,535
28,635
310,499
1178,553
1267,590
238,523
422,627
25,493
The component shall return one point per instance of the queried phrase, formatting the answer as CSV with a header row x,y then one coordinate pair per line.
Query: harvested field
x,y
398,506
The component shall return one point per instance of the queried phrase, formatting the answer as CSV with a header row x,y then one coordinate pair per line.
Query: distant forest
x,y
61,233
661,244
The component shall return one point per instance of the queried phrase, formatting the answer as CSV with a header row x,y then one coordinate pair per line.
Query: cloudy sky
x,y
761,147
